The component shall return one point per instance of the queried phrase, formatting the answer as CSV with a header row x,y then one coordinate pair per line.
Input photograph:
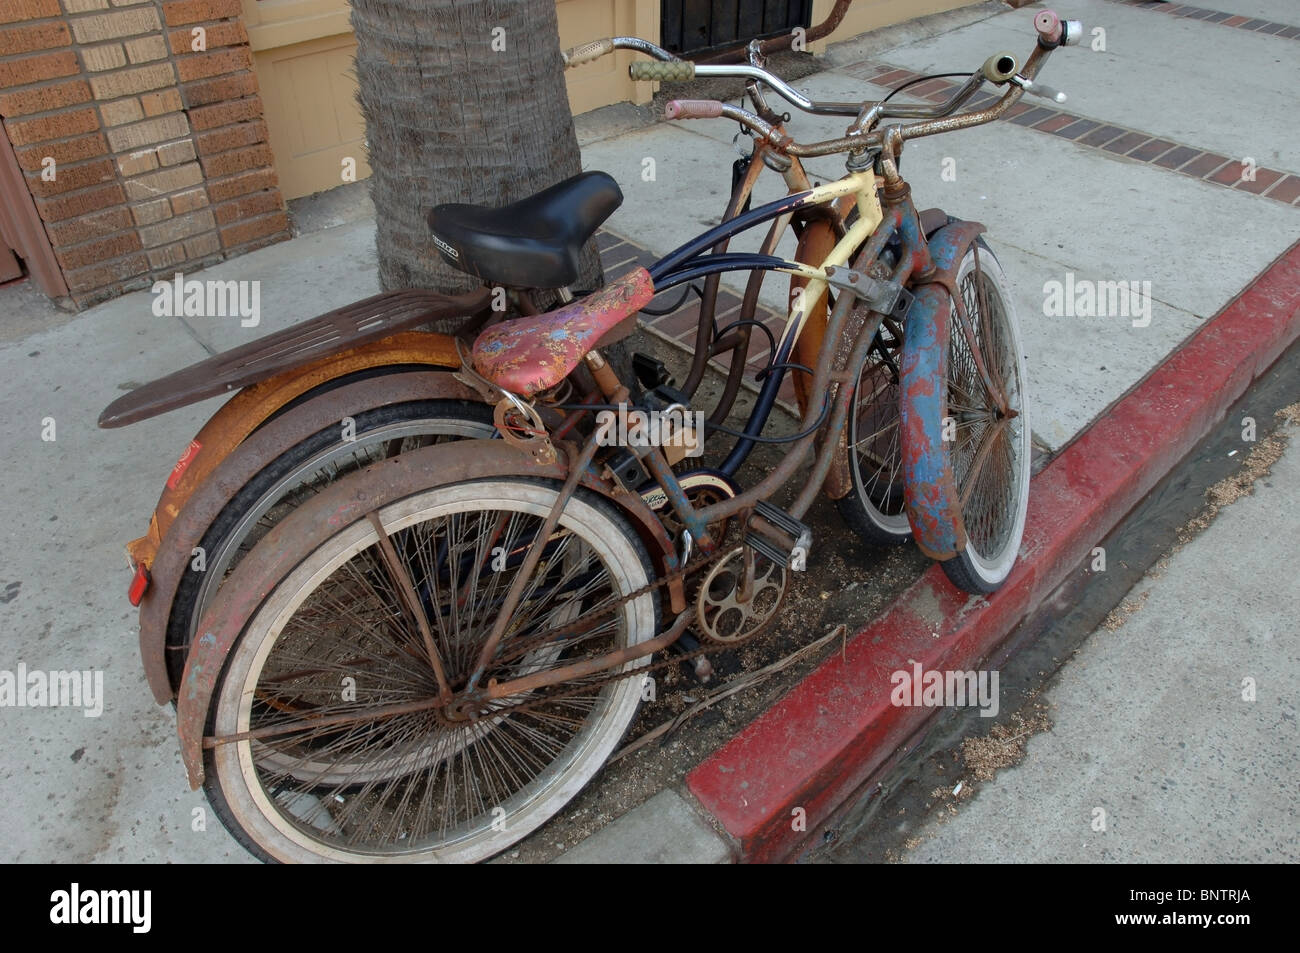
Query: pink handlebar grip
x,y
1048,25
693,109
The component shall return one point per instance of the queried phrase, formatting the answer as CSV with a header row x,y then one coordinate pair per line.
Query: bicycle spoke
x,y
983,454
381,770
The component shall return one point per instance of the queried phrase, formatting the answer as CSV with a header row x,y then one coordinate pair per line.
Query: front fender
x,y
929,489
333,510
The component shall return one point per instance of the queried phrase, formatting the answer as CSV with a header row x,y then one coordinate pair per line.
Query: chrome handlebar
x,y
999,69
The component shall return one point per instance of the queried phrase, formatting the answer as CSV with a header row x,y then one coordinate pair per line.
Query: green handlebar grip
x,y
676,71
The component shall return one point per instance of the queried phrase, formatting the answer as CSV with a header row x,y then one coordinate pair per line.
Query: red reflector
x,y
186,459
139,583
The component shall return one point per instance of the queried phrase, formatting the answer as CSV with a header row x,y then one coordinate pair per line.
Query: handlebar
x,y
669,69
999,69
675,71
577,55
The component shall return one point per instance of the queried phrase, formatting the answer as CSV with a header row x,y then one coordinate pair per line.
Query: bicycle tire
x,y
992,481
416,787
875,508
264,499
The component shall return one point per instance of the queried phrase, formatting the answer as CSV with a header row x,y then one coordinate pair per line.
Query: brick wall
x,y
159,149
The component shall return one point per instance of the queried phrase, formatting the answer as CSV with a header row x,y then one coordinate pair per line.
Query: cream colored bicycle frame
x,y
863,186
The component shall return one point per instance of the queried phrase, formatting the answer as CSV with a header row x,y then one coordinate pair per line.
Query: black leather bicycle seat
x,y
532,243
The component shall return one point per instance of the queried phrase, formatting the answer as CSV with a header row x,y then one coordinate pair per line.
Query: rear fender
x,y
197,511
255,404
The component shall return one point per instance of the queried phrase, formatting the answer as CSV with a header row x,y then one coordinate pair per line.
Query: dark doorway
x,y
693,26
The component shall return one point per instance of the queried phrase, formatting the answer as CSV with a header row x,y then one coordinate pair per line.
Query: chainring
x,y
720,613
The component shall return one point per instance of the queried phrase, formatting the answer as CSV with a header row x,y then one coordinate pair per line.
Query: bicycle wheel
x,y
419,786
990,452
875,508
298,474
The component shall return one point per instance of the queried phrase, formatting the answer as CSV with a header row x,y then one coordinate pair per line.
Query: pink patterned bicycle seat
x,y
528,355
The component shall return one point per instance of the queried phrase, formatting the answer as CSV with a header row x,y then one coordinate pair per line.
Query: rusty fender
x,y
257,402
929,490
839,479
206,501
336,508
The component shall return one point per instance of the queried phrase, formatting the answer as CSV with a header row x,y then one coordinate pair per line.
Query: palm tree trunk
x,y
464,101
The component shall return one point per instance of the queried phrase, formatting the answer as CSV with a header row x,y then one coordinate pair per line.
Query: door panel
x,y
693,26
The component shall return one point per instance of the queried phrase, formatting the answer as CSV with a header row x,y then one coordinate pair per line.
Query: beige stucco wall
x,y
605,81
866,15
302,52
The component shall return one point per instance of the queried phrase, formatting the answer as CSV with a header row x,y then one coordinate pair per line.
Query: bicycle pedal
x,y
778,536
701,667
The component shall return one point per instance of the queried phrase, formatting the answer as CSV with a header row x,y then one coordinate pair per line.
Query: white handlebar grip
x,y
577,55
1047,92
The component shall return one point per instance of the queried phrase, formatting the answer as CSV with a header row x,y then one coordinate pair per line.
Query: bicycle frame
x,y
707,344
893,213
878,222
690,261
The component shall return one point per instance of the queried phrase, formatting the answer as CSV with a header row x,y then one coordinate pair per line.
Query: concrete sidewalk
x,y
1156,754
112,788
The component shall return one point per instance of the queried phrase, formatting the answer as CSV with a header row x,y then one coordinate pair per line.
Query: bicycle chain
x,y
609,610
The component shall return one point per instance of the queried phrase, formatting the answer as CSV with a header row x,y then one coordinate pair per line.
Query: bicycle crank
x,y
740,597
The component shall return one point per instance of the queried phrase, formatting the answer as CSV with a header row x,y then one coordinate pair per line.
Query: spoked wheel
x,y
875,508
297,475
990,450
349,759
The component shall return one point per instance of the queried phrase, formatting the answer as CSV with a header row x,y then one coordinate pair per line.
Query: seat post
x,y
605,377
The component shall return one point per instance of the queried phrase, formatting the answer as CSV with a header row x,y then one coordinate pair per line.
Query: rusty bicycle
x,y
278,441
427,659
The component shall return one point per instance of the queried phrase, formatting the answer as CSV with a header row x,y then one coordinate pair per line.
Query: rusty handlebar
x,y
999,69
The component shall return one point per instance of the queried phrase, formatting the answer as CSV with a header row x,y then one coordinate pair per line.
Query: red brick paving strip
x,y
1215,16
1139,146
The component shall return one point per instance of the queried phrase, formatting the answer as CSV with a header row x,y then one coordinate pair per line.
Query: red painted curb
x,y
824,739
